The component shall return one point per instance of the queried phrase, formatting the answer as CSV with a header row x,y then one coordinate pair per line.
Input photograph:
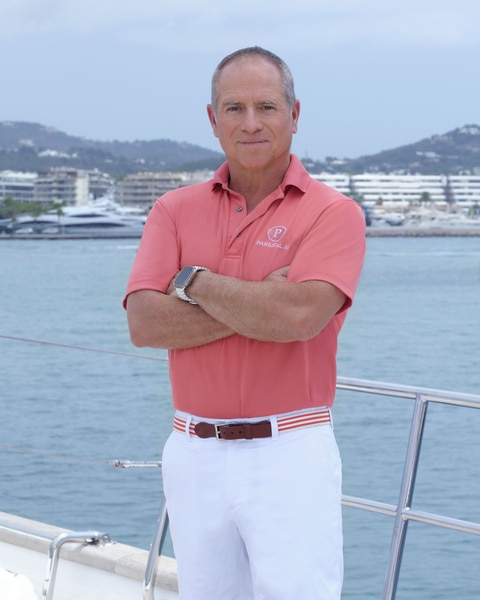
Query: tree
x,y
11,208
8,208
425,198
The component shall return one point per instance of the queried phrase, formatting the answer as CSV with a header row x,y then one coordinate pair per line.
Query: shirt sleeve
x,y
156,261
333,249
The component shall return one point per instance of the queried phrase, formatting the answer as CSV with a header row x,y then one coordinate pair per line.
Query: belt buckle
x,y
217,430
219,426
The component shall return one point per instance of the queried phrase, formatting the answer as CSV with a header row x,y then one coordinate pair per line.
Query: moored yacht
x,y
106,219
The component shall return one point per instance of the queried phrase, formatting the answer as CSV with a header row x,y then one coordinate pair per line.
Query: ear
x,y
212,119
295,116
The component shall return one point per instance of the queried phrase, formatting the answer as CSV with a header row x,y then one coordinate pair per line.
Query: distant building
x,y
373,188
76,187
17,185
407,189
465,189
142,189
71,187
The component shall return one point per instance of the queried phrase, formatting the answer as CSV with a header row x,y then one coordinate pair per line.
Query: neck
x,y
254,185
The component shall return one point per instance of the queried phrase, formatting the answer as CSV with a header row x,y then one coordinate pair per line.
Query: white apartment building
x,y
67,186
71,187
17,185
403,190
142,189
465,189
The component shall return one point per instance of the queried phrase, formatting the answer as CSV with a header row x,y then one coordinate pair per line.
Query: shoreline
x,y
391,231
400,231
68,236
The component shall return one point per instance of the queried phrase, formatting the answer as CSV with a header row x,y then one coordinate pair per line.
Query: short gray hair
x,y
257,52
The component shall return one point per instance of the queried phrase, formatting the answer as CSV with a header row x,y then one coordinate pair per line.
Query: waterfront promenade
x,y
402,231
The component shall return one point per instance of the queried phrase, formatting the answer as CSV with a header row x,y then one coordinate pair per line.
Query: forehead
x,y
247,76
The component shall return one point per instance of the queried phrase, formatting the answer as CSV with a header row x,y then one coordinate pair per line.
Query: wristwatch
x,y
184,279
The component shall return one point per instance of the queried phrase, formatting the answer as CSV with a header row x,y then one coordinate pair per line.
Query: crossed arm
x,y
271,310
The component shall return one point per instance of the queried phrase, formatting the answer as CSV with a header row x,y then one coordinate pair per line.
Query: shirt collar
x,y
296,175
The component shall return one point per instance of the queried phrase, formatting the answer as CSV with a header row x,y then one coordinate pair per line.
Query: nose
x,y
251,121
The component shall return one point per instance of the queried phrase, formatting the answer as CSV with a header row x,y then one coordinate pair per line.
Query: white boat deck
x,y
85,572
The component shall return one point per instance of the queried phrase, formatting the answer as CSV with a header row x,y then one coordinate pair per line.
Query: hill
x,y
452,153
34,147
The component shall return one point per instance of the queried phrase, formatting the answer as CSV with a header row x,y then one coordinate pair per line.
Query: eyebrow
x,y
238,103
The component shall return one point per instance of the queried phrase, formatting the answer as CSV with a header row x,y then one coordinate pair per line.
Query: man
x,y
246,279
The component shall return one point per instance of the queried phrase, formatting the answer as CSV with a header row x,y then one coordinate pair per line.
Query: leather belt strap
x,y
250,430
234,431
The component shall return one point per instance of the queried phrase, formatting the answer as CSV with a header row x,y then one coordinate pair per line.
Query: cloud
x,y
186,25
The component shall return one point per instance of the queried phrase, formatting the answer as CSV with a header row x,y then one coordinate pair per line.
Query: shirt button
x,y
239,208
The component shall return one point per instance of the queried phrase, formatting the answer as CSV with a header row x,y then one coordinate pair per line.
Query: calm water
x,y
416,321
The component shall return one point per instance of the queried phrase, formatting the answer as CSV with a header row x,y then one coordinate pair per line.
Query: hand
x,y
278,275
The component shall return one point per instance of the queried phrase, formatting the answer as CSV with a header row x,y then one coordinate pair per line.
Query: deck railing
x,y
402,512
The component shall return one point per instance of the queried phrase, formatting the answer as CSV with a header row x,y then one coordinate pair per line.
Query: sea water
x,y
67,411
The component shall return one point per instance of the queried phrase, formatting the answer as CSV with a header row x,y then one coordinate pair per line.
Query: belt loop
x,y
274,424
188,422
331,418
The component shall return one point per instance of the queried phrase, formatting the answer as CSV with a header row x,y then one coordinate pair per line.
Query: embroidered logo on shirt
x,y
274,234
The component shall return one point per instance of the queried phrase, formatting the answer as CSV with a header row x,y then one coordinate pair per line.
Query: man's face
x,y
252,119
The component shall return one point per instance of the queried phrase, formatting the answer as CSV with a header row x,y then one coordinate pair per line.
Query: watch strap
x,y
182,294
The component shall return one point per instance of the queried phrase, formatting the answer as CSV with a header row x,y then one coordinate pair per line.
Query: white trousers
x,y
256,519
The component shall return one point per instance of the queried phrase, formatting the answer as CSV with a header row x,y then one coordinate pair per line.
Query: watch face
x,y
184,277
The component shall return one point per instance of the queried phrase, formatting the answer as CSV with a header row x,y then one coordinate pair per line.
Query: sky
x,y
370,74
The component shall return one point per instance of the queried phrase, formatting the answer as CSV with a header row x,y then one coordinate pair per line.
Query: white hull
x,y
107,219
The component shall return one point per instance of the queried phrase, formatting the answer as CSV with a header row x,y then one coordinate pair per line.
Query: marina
x,y
108,219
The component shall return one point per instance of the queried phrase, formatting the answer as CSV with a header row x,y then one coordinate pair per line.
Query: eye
x,y
231,108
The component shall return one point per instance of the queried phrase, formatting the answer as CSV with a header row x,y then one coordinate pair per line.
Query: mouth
x,y
252,142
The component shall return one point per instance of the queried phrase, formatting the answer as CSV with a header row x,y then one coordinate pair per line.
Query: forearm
x,y
157,320
271,310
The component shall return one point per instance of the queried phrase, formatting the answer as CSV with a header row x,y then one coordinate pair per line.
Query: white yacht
x,y
102,219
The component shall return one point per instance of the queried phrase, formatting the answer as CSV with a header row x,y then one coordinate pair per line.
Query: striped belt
x,y
249,430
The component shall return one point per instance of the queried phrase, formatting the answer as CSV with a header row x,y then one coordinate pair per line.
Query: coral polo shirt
x,y
305,224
